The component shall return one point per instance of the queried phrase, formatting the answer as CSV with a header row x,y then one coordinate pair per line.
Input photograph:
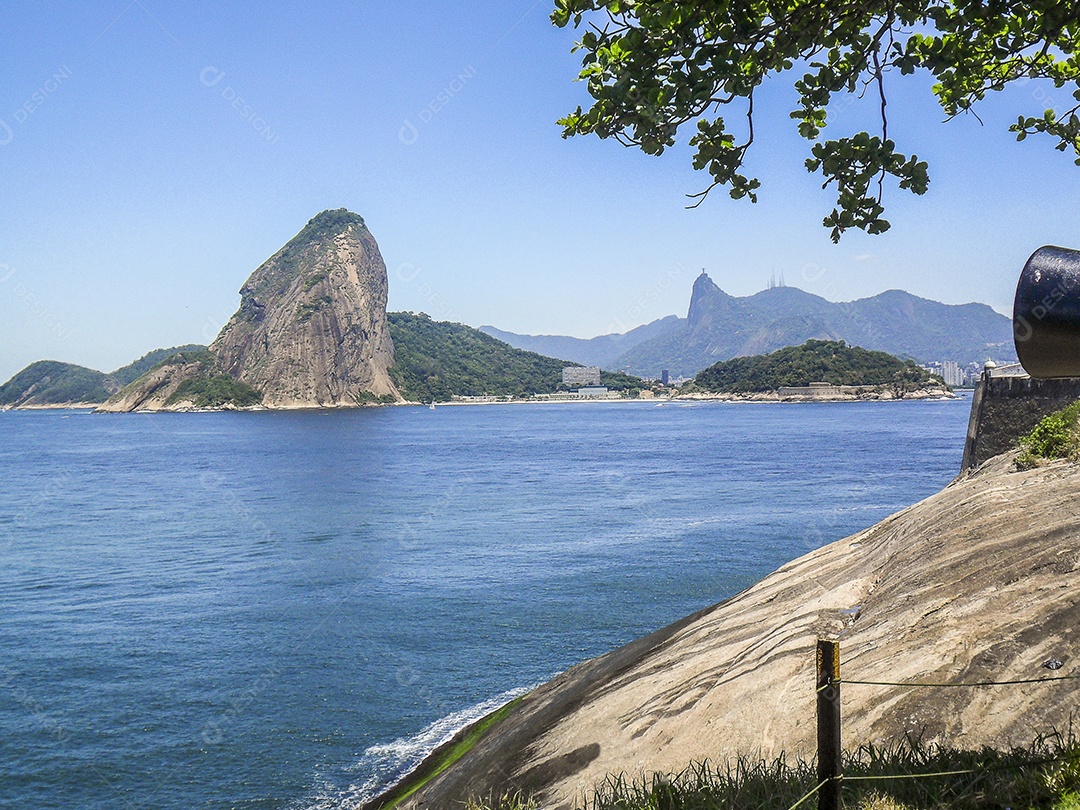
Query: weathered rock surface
x,y
311,330
159,388
978,582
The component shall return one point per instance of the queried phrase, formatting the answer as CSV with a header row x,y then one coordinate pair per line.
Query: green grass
x,y
1046,775
368,398
448,757
1056,436
215,391
512,801
201,355
305,310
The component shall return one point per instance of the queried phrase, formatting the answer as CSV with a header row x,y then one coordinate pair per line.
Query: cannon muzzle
x,y
1046,314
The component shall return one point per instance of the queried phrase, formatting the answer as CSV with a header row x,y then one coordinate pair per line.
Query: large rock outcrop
x,y
311,332
976,583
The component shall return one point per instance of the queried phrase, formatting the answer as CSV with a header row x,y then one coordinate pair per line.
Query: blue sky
x,y
153,154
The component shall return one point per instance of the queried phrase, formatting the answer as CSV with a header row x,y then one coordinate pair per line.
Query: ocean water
x,y
287,610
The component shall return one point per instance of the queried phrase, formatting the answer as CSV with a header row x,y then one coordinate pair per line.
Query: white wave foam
x,y
380,766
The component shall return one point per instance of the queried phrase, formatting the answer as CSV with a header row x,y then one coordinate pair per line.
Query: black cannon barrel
x,y
1046,313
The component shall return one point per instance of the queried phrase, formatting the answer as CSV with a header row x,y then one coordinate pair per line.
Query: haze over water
x,y
268,610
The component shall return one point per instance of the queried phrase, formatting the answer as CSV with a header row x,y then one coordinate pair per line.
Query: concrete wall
x,y
1005,408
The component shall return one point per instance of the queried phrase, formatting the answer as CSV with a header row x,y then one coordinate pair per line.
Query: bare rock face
x,y
311,330
155,391
976,583
184,381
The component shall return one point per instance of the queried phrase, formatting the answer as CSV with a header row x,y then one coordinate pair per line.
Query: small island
x,y
816,371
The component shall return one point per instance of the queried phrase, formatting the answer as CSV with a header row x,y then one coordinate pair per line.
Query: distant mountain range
x,y
600,351
436,360
719,327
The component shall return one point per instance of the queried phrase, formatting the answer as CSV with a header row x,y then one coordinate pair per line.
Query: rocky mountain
x,y
183,381
719,327
976,583
600,351
311,330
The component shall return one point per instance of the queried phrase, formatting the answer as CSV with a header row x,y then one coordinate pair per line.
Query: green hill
x,y
815,361
436,360
50,382
132,371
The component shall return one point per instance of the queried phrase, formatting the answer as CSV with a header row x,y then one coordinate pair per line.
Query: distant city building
x,y
581,375
952,373
593,391
664,377
933,368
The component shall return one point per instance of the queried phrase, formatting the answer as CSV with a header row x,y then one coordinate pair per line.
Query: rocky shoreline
x,y
864,393
974,583
772,396
62,406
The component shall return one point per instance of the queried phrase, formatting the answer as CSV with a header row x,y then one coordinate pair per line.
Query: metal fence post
x,y
828,724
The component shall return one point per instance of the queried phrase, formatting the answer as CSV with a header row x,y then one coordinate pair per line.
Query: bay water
x,y
289,609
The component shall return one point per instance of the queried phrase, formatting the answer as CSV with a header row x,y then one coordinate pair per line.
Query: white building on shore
x,y
581,375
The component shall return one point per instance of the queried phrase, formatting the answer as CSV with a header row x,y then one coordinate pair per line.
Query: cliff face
x,y
153,391
976,583
186,380
311,330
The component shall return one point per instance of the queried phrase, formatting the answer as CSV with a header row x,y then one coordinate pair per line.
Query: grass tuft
x,y
1045,775
450,753
512,801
